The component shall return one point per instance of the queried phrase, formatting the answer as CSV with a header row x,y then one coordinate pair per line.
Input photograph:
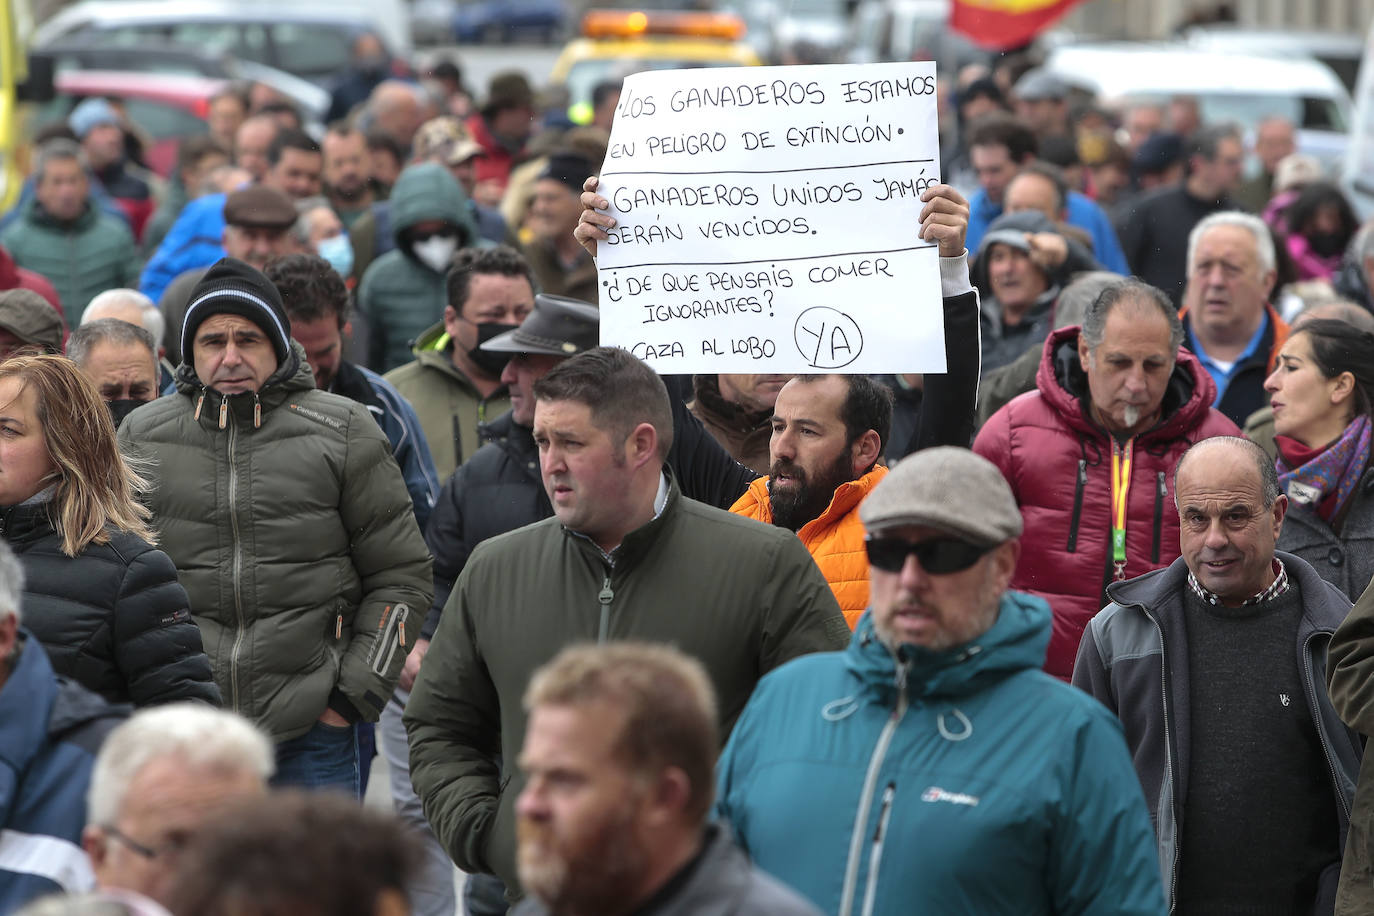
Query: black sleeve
x,y
444,537
705,471
951,398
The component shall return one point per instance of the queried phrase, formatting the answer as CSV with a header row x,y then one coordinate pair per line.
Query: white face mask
x,y
436,252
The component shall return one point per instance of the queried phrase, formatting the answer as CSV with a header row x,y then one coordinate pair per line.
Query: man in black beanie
x,y
290,526
559,263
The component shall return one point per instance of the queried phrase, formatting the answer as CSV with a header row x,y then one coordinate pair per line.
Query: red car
x,y
165,107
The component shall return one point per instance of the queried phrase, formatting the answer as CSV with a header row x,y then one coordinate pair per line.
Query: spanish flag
x,y
999,25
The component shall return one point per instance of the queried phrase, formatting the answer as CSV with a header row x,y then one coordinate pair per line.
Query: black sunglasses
x,y
938,557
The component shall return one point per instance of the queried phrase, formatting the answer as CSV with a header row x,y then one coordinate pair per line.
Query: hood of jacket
x,y
1064,386
428,191
9,271
41,217
292,375
1017,641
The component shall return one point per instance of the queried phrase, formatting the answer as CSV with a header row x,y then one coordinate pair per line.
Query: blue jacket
x,y
397,419
993,787
196,239
50,730
1080,211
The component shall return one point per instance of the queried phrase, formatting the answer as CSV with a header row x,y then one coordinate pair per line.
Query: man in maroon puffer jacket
x,y
1089,454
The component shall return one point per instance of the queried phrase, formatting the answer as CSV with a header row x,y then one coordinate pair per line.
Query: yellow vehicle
x,y
22,78
616,43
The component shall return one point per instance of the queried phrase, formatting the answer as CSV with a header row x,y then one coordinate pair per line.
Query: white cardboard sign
x,y
767,220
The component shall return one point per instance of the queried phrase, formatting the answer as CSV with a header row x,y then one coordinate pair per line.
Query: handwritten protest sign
x,y
767,220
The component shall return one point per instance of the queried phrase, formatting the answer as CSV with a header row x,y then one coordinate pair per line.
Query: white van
x,y
1241,89
1357,175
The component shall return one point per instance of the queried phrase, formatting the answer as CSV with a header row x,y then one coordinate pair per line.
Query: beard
x,y
589,869
795,506
351,192
1131,414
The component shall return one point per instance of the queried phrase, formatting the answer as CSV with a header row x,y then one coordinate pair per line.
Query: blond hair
x,y
666,697
97,487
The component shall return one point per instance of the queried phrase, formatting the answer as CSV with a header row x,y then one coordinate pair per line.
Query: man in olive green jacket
x,y
290,526
625,557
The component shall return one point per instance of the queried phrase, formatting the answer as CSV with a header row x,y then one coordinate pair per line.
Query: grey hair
x,y
11,584
106,330
198,735
1133,290
1077,296
1268,473
58,149
1264,242
300,229
150,316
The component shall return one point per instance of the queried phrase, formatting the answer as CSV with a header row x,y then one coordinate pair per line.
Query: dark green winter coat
x,y
400,296
86,256
739,596
295,539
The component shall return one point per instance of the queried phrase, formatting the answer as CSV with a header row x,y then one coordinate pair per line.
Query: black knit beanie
x,y
233,287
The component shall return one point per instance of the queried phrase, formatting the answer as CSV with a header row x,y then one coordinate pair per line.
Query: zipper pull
x,y
223,412
257,411
200,402
338,627
401,627
606,596
888,793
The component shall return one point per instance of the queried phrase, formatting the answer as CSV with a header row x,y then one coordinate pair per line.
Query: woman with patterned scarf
x,y
1322,392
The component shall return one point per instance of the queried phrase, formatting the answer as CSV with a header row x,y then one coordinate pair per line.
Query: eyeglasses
x,y
172,848
938,557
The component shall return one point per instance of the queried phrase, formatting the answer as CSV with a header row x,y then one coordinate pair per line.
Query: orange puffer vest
x,y
835,539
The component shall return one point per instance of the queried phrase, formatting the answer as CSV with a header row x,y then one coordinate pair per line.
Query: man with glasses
x,y
1217,668
993,788
159,778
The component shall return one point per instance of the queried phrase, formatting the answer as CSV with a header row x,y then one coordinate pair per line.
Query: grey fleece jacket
x,y
1134,658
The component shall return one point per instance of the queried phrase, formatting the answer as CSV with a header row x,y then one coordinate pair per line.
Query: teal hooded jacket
x,y
963,781
399,296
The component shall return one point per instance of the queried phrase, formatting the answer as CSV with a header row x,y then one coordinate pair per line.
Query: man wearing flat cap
x,y
290,526
257,221
992,787
562,267
28,321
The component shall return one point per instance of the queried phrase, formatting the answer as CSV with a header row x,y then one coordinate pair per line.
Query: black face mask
x,y
490,362
1326,244
121,408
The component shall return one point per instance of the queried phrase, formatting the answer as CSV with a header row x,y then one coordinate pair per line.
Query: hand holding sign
x,y
775,220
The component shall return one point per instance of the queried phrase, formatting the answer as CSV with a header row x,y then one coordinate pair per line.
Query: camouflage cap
x,y
445,140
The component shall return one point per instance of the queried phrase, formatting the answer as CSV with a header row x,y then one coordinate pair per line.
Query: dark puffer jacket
x,y
113,618
1059,464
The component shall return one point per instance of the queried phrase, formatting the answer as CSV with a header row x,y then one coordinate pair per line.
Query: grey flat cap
x,y
1038,84
948,488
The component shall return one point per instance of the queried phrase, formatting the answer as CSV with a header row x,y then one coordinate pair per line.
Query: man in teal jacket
x,y
992,787
64,236
402,293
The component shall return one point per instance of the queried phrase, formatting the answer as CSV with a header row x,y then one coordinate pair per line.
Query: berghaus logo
x,y
937,794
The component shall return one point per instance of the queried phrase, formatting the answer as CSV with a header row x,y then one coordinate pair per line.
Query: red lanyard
x,y
1121,485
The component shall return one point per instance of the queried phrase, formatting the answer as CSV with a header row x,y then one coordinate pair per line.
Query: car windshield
x,y
584,75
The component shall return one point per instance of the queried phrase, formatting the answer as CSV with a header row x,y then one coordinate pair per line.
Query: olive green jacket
x,y
449,406
739,596
294,536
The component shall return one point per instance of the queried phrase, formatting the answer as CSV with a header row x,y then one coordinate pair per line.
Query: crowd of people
x,y
309,454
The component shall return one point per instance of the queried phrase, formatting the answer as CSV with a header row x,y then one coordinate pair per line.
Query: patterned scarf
x,y
1334,471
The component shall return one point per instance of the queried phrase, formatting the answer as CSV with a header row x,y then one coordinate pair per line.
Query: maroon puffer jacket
x,y
1059,464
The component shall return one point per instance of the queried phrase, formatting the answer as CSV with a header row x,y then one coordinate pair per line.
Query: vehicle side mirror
x,y
39,85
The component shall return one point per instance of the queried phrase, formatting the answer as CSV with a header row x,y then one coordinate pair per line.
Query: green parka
x,y
81,258
400,296
450,408
294,536
739,596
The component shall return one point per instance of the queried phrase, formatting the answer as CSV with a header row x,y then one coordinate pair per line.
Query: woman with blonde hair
x,y
103,601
